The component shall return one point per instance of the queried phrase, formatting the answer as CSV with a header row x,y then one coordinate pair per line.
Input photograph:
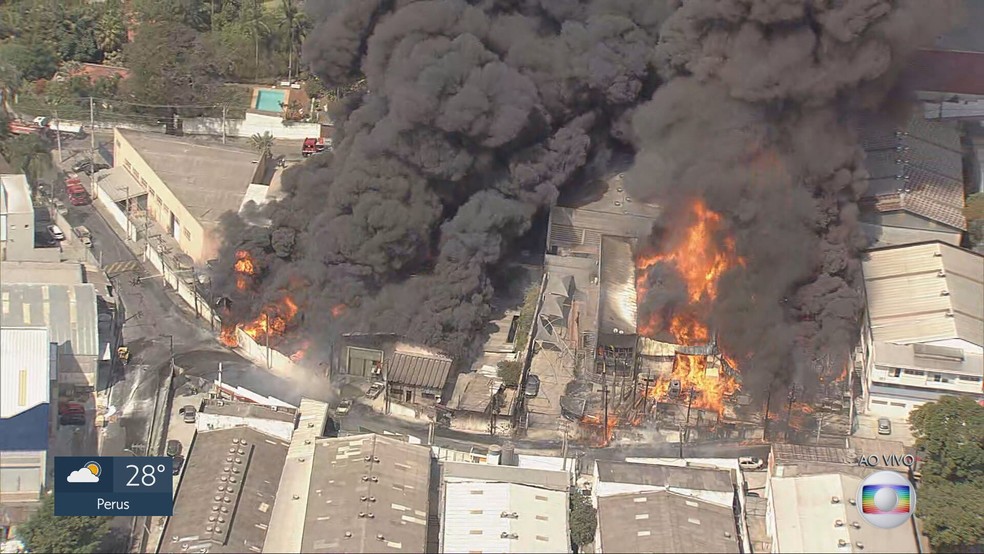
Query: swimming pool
x,y
269,100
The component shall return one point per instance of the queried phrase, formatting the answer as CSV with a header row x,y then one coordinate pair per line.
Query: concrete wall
x,y
22,476
187,293
161,202
18,235
253,124
208,422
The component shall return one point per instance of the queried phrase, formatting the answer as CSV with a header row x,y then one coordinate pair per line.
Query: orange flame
x,y
272,321
700,261
244,267
301,352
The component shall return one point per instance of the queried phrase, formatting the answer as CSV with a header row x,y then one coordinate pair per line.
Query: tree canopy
x,y
950,438
583,519
45,532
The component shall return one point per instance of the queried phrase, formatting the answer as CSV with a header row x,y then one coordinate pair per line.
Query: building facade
x,y
16,218
923,328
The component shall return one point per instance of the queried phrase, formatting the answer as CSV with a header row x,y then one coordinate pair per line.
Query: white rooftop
x,y
25,354
15,195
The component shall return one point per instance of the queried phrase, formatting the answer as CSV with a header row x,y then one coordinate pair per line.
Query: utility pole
x,y
220,379
266,319
491,407
768,401
127,189
224,124
564,450
789,410
690,402
604,401
58,137
92,146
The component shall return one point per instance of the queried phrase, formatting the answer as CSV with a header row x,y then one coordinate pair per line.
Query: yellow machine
x,y
123,353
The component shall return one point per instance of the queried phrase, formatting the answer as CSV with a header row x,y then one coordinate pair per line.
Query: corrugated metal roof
x,y
68,311
417,370
25,375
665,522
668,476
16,194
499,514
925,292
618,291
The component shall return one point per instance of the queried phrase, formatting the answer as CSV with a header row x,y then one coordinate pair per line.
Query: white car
x,y
343,407
56,232
749,463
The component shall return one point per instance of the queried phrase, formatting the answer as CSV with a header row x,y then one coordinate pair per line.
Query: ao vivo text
x,y
887,460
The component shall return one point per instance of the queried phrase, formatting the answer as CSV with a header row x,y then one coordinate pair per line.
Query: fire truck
x,y
19,127
314,146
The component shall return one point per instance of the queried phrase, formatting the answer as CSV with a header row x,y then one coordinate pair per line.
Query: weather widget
x,y
113,486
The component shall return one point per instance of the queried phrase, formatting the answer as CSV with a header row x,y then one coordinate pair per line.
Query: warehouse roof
x,y
665,522
417,369
916,166
504,509
947,71
25,356
618,287
64,273
472,394
68,311
208,180
119,185
231,474
925,292
668,476
807,516
926,357
367,493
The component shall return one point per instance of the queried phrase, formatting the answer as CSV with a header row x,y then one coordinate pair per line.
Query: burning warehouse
x,y
470,120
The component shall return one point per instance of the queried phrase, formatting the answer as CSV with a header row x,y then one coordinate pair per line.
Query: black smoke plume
x,y
471,118
757,116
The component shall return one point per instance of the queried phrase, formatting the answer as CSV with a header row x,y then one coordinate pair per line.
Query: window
x,y
187,234
143,181
915,372
159,203
544,498
880,402
126,164
894,371
542,518
428,395
970,378
940,378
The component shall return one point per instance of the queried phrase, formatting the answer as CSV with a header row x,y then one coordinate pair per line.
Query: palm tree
x,y
296,26
263,144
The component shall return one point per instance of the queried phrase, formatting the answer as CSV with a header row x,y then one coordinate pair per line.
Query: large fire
x,y
244,268
700,260
271,322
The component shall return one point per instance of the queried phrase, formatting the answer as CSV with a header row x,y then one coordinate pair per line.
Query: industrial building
x,y
227,492
923,327
27,380
501,508
184,186
16,218
915,189
71,315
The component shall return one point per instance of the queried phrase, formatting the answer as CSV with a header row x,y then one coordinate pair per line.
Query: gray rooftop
x,y
924,293
64,273
246,409
668,476
794,453
248,465
417,370
208,180
355,505
926,357
542,478
664,522
68,311
120,185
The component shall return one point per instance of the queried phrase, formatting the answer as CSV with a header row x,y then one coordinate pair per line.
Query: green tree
x,y
583,519
950,438
530,301
45,532
171,65
110,29
32,61
263,144
294,25
510,372
29,154
190,13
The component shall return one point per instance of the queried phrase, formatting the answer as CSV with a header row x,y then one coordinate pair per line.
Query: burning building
x,y
472,119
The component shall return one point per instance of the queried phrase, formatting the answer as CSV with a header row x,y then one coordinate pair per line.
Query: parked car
x,y
173,448
60,207
884,426
374,390
177,463
753,494
188,413
750,463
86,166
532,386
56,232
75,418
84,235
344,406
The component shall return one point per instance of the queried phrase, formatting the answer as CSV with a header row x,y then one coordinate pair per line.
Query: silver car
x,y
884,426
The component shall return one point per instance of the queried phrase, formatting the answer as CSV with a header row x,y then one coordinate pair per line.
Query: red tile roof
x,y
947,71
98,71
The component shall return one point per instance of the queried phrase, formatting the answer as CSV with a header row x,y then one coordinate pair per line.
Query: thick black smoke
x,y
757,117
473,116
